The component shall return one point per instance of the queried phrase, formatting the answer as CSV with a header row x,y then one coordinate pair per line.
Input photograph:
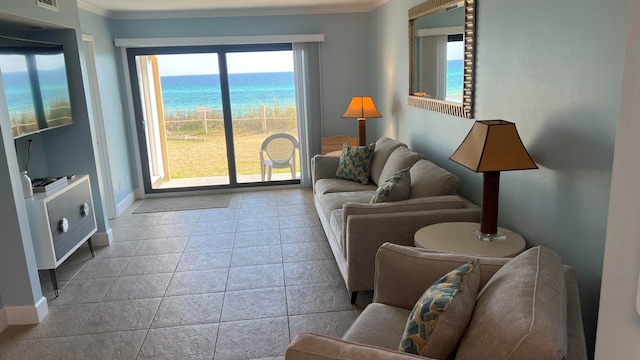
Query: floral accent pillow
x,y
395,188
439,319
355,163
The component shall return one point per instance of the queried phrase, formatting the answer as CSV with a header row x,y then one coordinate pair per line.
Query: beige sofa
x,y
528,308
356,229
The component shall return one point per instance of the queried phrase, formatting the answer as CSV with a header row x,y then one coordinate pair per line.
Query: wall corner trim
x,y
103,238
27,315
4,322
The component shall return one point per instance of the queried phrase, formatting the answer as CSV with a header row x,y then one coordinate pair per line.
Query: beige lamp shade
x,y
361,107
493,145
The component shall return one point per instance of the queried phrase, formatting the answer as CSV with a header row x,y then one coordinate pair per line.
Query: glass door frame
x,y
221,51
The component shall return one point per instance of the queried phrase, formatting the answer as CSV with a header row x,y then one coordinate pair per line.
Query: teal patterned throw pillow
x,y
440,317
395,188
355,163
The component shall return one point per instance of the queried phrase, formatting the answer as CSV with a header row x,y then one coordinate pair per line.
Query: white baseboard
x,y
124,204
102,238
4,322
27,315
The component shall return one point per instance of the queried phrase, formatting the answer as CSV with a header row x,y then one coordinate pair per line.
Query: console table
x,y
60,222
457,237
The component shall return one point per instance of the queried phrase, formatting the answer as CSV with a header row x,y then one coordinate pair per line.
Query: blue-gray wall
x,y
555,72
68,150
121,158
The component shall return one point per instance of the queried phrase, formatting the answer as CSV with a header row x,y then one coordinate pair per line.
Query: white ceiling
x,y
171,8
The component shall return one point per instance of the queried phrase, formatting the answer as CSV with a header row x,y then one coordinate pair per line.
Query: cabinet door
x,y
76,208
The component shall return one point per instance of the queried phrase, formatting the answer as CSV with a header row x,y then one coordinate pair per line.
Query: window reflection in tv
x,y
35,84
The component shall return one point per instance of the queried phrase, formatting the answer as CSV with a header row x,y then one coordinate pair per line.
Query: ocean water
x,y
454,78
188,92
53,87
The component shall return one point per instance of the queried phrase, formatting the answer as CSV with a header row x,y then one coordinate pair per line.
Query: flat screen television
x,y
36,86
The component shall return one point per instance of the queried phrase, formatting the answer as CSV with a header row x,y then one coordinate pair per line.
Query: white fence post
x,y
263,115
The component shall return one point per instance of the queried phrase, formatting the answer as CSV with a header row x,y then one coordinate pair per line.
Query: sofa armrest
x,y
324,167
410,205
308,346
403,273
364,234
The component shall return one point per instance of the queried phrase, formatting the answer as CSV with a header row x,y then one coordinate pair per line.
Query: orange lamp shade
x,y
361,107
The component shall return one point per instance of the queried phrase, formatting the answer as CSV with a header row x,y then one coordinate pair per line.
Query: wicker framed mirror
x,y
441,56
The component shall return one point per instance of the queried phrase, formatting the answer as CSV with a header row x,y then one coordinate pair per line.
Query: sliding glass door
x,y
215,116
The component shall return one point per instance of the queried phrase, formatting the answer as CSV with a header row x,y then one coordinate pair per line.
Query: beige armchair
x,y
528,308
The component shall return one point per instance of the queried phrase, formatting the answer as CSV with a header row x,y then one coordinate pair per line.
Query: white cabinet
x,y
60,222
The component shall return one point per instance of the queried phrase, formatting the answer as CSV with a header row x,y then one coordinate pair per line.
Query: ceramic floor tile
x,y
210,215
101,268
192,342
198,282
315,298
189,310
117,249
109,346
162,246
333,324
290,222
215,227
170,231
299,235
83,291
179,217
312,272
138,287
259,255
123,315
265,223
258,212
204,260
297,210
252,339
257,238
255,277
129,234
306,252
62,321
151,264
175,306
41,349
254,304
294,196
211,242
135,220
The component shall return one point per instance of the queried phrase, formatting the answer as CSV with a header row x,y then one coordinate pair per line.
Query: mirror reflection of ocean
x,y
188,92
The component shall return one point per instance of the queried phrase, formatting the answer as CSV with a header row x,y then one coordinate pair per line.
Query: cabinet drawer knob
x,y
84,209
63,225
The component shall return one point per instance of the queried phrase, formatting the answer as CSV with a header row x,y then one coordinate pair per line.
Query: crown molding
x,y
93,9
299,10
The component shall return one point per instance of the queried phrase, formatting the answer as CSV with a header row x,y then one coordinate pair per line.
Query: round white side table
x,y
457,237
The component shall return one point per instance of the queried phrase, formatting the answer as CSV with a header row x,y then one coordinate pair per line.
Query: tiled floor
x,y
230,283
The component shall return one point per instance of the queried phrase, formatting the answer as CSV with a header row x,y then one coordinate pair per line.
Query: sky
x,y
237,63
17,63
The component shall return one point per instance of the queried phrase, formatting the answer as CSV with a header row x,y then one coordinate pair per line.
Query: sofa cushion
x,y
521,312
395,188
335,201
384,148
440,317
380,325
428,179
337,226
400,158
355,163
327,186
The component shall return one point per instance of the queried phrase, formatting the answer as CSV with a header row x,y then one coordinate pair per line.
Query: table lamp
x,y
361,108
490,147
